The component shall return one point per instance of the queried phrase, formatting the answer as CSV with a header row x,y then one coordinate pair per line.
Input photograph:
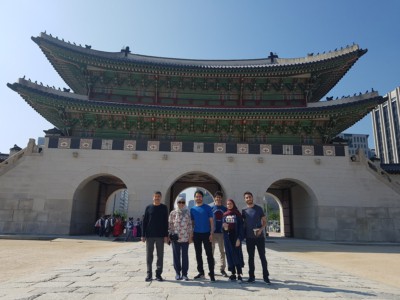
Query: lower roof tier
x,y
77,116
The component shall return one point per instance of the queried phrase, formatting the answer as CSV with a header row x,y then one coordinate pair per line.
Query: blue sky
x,y
206,29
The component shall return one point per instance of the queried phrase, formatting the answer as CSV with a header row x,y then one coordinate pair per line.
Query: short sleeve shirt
x,y
252,219
201,216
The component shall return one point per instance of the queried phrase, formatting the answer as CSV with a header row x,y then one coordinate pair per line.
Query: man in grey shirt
x,y
254,224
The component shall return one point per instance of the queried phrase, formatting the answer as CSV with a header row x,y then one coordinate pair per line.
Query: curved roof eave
x,y
199,63
83,101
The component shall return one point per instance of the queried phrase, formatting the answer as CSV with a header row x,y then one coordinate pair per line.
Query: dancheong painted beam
x,y
123,95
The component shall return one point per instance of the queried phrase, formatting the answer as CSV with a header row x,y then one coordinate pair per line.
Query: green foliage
x,y
123,215
273,215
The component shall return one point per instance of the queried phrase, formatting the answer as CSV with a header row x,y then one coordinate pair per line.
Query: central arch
x,y
191,179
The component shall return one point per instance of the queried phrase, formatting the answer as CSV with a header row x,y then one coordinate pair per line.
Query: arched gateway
x,y
298,208
191,179
89,201
154,123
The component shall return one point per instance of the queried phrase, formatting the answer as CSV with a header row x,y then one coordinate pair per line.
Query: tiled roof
x,y
203,63
81,100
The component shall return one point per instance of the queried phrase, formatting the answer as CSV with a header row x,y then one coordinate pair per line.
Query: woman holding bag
x,y
180,233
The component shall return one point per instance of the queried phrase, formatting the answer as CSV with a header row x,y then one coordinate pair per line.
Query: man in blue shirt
x,y
202,217
218,238
254,223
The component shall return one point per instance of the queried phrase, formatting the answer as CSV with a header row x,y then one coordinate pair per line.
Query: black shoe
x,y
223,273
148,278
232,277
212,278
266,280
251,280
240,279
159,278
199,276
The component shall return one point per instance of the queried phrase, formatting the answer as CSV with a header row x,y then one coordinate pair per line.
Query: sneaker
x,y
251,280
232,277
212,278
266,280
148,278
159,278
178,277
185,278
240,279
199,276
223,273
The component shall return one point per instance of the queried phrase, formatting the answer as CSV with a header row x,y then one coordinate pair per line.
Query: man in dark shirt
x,y
155,231
218,238
254,223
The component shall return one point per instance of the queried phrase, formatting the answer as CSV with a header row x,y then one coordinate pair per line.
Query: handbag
x,y
173,236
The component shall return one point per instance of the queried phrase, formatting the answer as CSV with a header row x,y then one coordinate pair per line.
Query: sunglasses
x,y
181,202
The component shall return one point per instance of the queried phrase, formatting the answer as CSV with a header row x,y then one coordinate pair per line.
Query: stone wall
x,y
332,197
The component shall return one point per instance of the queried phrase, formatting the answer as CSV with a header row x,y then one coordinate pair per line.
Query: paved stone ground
x,y
119,273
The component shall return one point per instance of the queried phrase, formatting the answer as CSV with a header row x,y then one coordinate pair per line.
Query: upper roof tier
x,y
88,71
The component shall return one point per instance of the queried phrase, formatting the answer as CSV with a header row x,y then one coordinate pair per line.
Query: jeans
x,y
159,242
251,245
198,240
181,258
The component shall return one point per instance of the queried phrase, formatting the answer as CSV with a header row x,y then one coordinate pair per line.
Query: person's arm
x,y
211,228
165,224
144,225
263,223
193,225
190,229
171,222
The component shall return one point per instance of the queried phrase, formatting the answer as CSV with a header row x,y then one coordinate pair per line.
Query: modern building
x,y
386,126
143,123
118,203
356,142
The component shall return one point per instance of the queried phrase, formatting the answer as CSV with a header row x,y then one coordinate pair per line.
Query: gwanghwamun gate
x,y
145,123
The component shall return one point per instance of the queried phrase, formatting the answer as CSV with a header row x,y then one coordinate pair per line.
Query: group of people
x,y
133,229
109,225
205,226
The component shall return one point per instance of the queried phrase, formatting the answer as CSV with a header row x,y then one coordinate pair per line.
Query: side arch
x,y
298,208
93,187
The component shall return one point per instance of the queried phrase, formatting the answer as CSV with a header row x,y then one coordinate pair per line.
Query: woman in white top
x,y
180,232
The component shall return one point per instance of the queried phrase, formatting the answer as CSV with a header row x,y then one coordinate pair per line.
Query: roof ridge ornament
x,y
126,51
272,57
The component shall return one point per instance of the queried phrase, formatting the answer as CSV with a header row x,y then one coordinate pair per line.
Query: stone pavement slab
x,y
119,274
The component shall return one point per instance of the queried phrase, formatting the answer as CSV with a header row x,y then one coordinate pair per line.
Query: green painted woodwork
x,y
85,118
140,97
88,71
